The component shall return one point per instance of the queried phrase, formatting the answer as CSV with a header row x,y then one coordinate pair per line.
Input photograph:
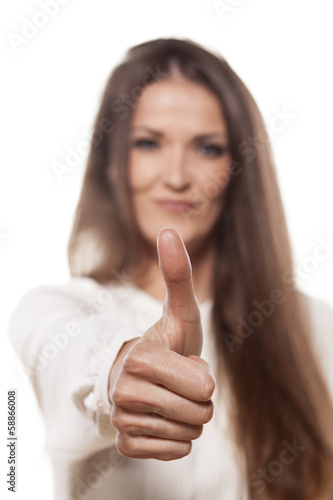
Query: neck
x,y
202,273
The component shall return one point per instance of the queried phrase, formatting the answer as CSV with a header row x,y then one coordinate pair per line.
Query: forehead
x,y
178,101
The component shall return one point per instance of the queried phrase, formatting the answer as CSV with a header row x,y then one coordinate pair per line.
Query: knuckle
x,y
137,426
116,394
124,394
120,391
122,423
130,429
151,427
115,418
135,362
126,446
121,445
128,396
131,363
134,449
156,410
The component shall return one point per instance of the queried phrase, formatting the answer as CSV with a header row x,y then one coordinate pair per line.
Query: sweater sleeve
x,y
67,341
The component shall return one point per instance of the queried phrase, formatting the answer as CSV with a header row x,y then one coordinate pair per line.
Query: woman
x,y
227,388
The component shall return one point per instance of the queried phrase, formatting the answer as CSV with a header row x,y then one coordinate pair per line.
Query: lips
x,y
176,205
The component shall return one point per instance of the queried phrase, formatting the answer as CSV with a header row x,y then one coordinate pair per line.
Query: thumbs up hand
x,y
161,395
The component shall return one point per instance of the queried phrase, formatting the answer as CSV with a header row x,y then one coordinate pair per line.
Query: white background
x,y
51,90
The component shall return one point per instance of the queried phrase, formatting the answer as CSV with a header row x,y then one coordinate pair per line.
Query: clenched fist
x,y
160,389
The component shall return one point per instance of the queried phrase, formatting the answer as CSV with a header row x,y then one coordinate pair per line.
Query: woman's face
x,y
178,160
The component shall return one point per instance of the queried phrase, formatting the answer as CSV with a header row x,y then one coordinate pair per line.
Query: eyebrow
x,y
197,137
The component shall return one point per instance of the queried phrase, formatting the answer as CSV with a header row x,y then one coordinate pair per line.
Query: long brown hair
x,y
279,398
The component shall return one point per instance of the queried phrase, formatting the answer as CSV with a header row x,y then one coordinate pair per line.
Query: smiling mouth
x,y
176,206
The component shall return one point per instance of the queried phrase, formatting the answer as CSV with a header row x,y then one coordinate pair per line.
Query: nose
x,y
176,174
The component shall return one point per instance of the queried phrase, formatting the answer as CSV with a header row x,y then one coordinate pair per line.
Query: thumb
x,y
180,302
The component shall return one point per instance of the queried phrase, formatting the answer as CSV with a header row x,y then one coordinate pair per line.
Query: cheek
x,y
213,181
142,173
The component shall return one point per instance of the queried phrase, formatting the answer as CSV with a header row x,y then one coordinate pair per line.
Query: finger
x,y
176,269
151,424
152,447
144,397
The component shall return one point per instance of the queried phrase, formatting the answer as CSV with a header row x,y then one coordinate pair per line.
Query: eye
x,y
214,150
145,143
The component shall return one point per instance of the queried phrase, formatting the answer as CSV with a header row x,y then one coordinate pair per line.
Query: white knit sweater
x,y
67,337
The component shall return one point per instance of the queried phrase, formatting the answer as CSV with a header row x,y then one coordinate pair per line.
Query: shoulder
x,y
74,289
82,296
77,296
